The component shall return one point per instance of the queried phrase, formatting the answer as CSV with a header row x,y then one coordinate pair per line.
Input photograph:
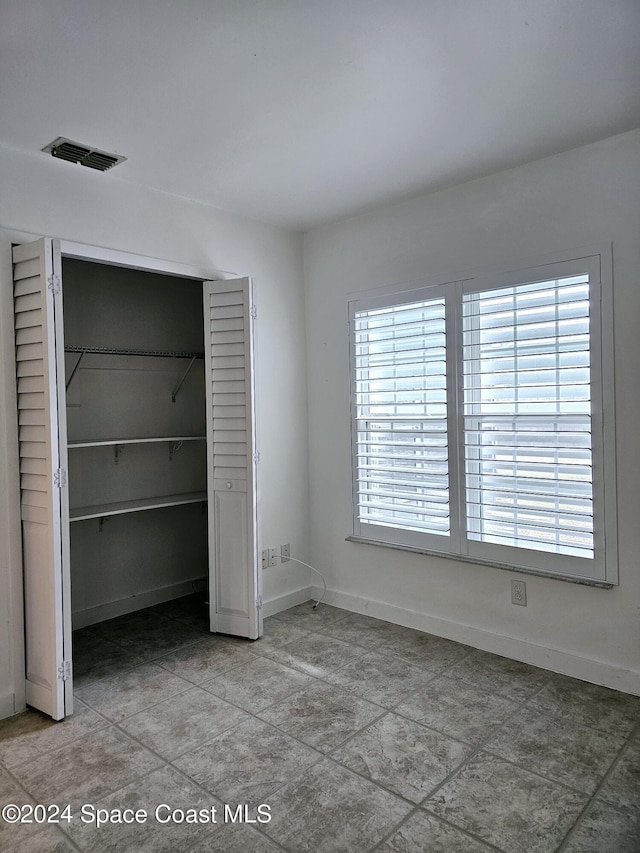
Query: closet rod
x,y
117,351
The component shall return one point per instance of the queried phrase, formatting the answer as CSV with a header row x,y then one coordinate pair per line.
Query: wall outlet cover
x,y
519,593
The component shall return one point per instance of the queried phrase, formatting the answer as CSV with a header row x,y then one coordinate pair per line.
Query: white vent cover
x,y
74,152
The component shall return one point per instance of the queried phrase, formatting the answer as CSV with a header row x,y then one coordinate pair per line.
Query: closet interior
x,y
136,438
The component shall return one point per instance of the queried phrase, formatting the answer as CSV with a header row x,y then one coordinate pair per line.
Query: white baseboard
x,y
92,615
110,610
8,705
284,602
555,660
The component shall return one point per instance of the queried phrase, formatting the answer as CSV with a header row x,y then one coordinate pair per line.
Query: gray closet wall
x,y
124,557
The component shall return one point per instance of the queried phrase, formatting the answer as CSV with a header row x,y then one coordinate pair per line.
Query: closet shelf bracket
x,y
117,452
184,376
73,372
174,447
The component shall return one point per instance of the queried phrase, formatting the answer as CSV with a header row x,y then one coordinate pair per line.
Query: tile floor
x,y
358,736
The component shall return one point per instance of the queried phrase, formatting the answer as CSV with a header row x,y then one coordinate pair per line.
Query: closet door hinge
x,y
253,312
256,457
65,670
53,283
259,602
60,478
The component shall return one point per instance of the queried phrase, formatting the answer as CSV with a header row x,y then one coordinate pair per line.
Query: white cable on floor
x,y
324,583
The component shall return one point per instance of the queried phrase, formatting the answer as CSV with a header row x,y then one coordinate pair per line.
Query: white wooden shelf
x,y
112,442
121,507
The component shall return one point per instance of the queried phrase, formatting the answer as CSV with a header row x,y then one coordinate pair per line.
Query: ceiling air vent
x,y
65,149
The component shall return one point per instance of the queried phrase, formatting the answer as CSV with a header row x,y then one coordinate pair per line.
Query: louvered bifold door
x,y
45,536
234,579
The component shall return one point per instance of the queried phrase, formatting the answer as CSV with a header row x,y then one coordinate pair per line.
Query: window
x,y
477,421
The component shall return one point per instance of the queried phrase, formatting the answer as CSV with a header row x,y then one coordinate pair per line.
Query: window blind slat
x,y
422,496
431,358
498,364
536,544
529,454
373,440
526,352
548,345
400,401
533,502
402,523
542,439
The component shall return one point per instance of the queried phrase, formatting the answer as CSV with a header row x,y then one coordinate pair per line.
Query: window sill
x,y
475,561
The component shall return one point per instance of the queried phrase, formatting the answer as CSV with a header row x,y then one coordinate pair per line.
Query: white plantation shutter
x,y
400,436
527,407
234,577
43,494
482,420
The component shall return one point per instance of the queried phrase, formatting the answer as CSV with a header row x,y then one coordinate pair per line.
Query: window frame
x,y
397,536
602,569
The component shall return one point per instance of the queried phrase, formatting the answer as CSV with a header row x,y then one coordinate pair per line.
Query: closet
x,y
137,460
136,436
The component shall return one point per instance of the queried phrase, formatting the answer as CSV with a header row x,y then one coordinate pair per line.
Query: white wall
x,y
587,196
47,197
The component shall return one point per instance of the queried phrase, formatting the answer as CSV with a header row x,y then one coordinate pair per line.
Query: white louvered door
x,y
234,578
43,467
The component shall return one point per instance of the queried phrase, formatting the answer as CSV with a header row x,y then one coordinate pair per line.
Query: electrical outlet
x,y
265,558
285,551
519,593
273,557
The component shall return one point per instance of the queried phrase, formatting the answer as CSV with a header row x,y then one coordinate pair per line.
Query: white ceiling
x,y
298,112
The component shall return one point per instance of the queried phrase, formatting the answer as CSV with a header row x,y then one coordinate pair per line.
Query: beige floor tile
x,y
206,659
32,734
95,658
146,634
423,833
315,654
426,650
276,634
88,768
256,685
45,839
585,704
329,809
247,763
235,838
159,800
121,696
309,617
13,835
402,756
502,676
368,632
183,722
193,610
575,755
457,709
321,716
381,678
622,787
507,806
605,828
